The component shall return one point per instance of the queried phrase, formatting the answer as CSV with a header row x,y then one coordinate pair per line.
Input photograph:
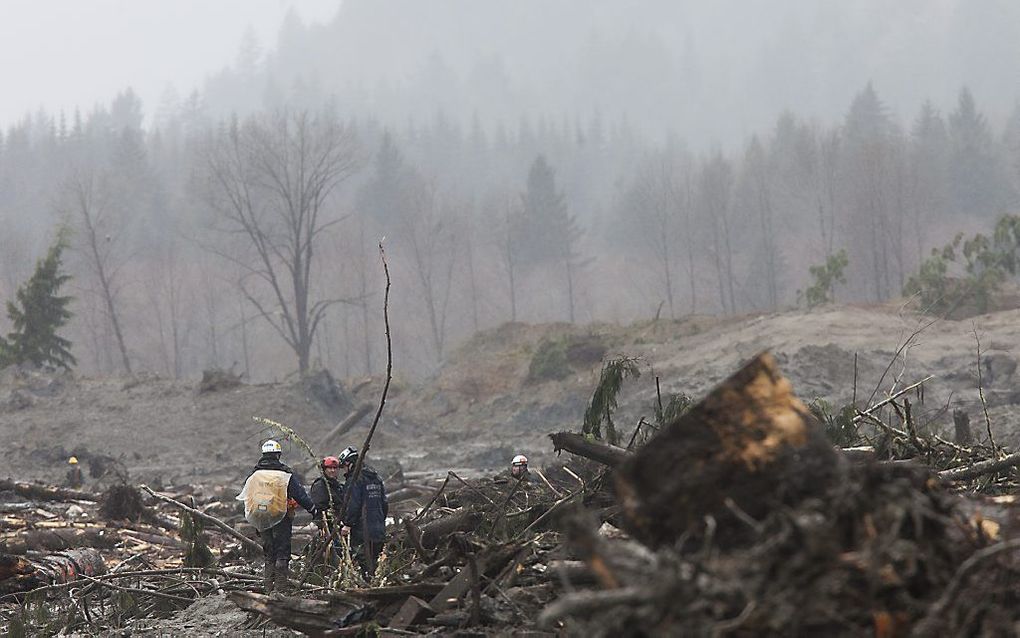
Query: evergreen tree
x,y
547,229
548,233
38,314
384,197
978,183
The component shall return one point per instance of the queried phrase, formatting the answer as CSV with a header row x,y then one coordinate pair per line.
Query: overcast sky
x,y
65,53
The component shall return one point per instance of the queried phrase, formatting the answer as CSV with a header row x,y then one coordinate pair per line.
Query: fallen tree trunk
x,y
19,574
433,533
748,447
247,542
346,425
979,469
311,617
577,444
54,540
404,494
155,539
41,492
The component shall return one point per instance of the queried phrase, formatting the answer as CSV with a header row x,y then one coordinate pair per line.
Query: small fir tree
x,y
38,313
826,276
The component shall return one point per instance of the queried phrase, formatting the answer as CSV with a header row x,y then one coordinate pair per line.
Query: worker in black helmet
x,y
366,512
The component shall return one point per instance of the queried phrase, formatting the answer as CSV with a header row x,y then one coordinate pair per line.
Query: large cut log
x,y
577,444
309,616
747,447
52,540
19,574
41,492
434,533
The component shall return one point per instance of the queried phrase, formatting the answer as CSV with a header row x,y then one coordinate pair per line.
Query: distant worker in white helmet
x,y
519,468
271,495
74,479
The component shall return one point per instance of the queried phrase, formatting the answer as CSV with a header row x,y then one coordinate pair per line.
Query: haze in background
x,y
62,54
528,161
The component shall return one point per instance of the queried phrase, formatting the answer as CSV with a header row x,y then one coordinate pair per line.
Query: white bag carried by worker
x,y
265,498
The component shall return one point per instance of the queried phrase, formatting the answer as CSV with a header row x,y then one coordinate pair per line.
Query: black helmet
x,y
349,455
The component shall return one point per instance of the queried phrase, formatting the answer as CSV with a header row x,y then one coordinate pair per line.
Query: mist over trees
x,y
236,227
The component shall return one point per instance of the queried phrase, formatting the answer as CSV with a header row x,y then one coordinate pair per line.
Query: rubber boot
x,y
268,576
283,583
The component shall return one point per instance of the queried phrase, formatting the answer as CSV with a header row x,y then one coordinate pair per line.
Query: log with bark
x,y
51,540
748,447
42,492
20,574
434,533
577,444
309,616
981,468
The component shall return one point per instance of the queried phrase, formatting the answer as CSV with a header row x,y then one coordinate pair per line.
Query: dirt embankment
x,y
504,390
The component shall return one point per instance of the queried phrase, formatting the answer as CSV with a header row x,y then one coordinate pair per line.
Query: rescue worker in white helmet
x,y
271,495
519,468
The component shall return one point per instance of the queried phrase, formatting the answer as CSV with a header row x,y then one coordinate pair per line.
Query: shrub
x,y
826,276
554,357
986,262
549,362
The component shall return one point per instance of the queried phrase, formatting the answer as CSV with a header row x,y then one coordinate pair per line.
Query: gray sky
x,y
66,53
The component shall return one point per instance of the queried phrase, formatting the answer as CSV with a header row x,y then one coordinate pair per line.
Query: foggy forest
x,y
537,318
602,165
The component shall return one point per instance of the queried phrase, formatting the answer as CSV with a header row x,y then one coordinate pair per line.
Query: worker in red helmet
x,y
327,493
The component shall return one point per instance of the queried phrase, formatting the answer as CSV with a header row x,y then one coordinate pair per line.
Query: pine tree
x,y
549,233
38,314
548,230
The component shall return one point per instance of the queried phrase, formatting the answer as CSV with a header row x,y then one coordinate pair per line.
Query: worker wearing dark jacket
x,y
276,540
366,512
328,493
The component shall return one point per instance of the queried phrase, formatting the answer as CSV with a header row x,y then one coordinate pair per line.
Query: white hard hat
x,y
520,459
271,446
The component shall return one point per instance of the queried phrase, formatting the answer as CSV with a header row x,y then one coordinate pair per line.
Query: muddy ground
x,y
502,392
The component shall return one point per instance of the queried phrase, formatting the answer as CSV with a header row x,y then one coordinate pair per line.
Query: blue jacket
x,y
295,490
368,507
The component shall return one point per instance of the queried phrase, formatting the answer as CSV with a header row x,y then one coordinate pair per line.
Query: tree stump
x,y
749,446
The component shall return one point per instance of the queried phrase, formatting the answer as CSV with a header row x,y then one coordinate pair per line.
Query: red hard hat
x,y
330,461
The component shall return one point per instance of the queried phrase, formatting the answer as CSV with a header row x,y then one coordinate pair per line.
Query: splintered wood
x,y
747,447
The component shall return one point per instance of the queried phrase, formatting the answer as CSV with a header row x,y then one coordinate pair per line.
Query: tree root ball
x,y
121,502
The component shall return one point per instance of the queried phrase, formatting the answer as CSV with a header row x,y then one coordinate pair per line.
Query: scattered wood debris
x,y
737,517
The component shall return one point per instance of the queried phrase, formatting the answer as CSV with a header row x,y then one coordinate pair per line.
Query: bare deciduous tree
x,y
270,179
716,192
100,237
167,300
655,205
429,234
